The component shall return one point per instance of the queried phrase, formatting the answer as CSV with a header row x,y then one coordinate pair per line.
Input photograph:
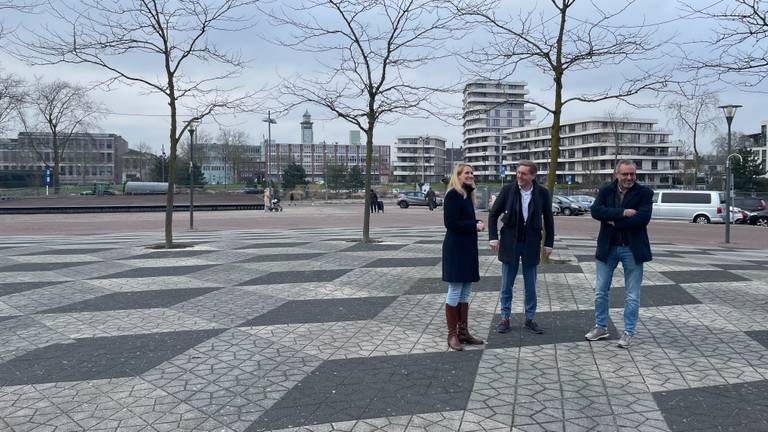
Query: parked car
x,y
759,218
555,209
701,207
99,188
568,207
586,201
749,204
415,198
254,190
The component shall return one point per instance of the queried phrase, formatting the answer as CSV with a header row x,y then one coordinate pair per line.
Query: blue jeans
x,y
458,292
508,275
633,276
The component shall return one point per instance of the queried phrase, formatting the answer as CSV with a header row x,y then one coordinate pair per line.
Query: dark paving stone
x,y
735,407
404,262
559,327
75,251
429,242
132,300
372,247
591,257
10,317
655,295
585,258
322,310
693,252
739,266
341,239
438,286
34,267
342,390
144,272
272,245
99,358
281,257
170,254
19,287
760,336
558,268
699,276
297,277
759,262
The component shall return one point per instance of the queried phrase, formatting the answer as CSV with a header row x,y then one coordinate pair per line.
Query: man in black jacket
x,y
523,206
623,208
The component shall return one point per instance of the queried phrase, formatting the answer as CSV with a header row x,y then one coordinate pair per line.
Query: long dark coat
x,y
633,228
508,205
460,255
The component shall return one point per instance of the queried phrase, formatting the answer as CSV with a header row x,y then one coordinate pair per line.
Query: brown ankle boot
x,y
452,318
464,336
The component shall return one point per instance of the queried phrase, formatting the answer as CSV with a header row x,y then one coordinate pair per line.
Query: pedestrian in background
x,y
290,197
374,201
461,261
431,199
624,209
524,206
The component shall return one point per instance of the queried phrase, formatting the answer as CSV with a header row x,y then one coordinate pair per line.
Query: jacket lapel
x,y
534,200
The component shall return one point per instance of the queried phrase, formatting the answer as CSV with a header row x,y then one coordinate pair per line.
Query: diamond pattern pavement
x,y
304,330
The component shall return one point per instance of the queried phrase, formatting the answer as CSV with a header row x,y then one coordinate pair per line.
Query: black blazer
x,y
508,206
633,229
460,254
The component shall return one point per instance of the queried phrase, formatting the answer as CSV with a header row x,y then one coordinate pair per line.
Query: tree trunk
x,y
171,180
56,163
368,163
555,136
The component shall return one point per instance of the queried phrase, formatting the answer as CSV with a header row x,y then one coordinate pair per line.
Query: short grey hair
x,y
624,162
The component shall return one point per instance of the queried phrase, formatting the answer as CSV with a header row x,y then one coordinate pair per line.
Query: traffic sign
x,y
502,170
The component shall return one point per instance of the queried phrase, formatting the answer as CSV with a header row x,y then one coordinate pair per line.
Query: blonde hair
x,y
457,184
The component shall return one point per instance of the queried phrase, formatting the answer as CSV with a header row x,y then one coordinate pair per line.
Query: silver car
x,y
415,198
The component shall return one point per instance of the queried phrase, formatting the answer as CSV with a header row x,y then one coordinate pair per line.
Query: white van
x,y
696,206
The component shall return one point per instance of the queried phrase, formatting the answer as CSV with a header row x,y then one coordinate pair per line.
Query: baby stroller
x,y
275,205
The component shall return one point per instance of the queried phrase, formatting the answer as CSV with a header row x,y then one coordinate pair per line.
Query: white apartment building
x,y
590,148
221,163
419,158
490,107
760,147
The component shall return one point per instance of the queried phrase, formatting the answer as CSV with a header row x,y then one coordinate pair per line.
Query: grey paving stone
x,y
272,245
438,286
374,247
39,267
170,254
68,251
20,287
343,390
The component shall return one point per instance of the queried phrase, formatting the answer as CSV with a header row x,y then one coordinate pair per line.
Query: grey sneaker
x,y
503,326
597,333
625,341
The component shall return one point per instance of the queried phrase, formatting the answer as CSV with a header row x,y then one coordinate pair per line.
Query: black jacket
x,y
460,255
508,205
631,230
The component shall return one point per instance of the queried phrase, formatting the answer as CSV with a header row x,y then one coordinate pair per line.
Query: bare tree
x,y
12,96
60,109
737,50
189,70
616,121
20,6
560,46
371,50
233,150
145,159
694,111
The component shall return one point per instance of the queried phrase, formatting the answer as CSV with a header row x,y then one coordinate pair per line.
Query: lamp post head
x,y
729,111
194,124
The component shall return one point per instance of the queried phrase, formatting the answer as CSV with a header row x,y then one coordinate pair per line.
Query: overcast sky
x,y
139,117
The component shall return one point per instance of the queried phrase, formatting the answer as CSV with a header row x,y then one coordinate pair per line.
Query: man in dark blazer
x,y
523,206
623,208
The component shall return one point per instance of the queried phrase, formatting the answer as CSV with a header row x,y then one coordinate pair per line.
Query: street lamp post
x,y
730,112
162,163
193,124
269,121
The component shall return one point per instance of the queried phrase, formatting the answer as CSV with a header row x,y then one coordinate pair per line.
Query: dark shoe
x,y
464,336
452,318
532,326
503,326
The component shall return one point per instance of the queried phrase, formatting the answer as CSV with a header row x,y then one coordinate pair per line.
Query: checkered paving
x,y
304,330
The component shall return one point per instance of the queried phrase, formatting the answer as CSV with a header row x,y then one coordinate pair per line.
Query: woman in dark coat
x,y
460,257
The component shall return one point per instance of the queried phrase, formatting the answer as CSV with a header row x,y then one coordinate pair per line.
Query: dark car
x,y
749,204
257,191
567,206
759,218
414,198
